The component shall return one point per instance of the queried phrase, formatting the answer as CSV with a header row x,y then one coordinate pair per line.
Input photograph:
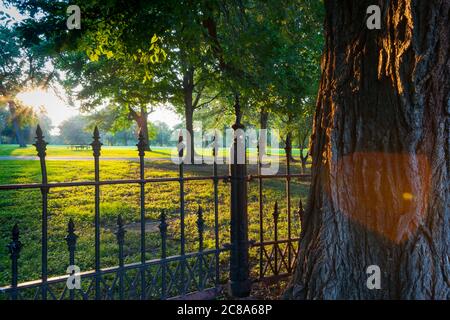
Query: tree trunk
x,y
16,124
380,148
142,121
303,160
288,147
263,121
303,157
188,88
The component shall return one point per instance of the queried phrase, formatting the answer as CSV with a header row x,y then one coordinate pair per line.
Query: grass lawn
x,y
113,152
24,207
65,151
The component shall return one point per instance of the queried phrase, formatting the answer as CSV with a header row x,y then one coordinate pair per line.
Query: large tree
x,y
380,149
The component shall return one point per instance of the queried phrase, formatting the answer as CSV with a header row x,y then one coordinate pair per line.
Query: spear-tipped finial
x,y
96,133
214,143
39,133
200,220
275,212
41,145
142,144
15,232
120,233
15,245
300,208
163,223
71,226
96,144
71,237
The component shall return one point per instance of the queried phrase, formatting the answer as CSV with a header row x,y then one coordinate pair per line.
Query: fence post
x,y
142,144
14,248
183,283
41,147
96,148
240,284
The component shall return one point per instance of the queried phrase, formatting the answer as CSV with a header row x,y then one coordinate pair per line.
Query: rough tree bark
x,y
380,148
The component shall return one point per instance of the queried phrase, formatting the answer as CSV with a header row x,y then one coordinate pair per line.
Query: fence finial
x,y
15,245
214,153
142,144
300,208
120,233
71,237
96,144
163,224
41,145
276,214
200,221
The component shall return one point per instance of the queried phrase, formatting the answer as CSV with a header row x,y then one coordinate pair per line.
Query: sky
x,y
58,110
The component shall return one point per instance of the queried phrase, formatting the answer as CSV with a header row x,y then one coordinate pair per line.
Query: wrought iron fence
x,y
169,276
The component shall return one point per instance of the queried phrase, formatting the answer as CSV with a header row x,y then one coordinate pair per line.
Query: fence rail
x,y
166,276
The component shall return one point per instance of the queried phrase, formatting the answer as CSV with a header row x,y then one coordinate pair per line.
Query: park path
x,y
34,158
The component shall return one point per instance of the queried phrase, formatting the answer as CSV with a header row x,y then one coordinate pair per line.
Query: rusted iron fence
x,y
169,276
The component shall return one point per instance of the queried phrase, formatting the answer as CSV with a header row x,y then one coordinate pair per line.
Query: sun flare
x,y
48,101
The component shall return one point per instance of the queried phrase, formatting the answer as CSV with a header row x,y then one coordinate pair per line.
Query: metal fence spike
x,y
120,233
41,144
300,208
15,245
14,248
163,223
71,237
214,146
142,144
276,214
200,220
96,144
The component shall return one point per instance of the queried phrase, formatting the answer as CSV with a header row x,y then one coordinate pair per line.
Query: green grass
x,y
24,207
65,151
114,152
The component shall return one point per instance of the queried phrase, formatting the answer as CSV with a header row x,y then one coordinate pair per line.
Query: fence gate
x,y
172,274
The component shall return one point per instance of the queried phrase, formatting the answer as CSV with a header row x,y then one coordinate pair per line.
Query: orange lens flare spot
x,y
384,192
407,196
